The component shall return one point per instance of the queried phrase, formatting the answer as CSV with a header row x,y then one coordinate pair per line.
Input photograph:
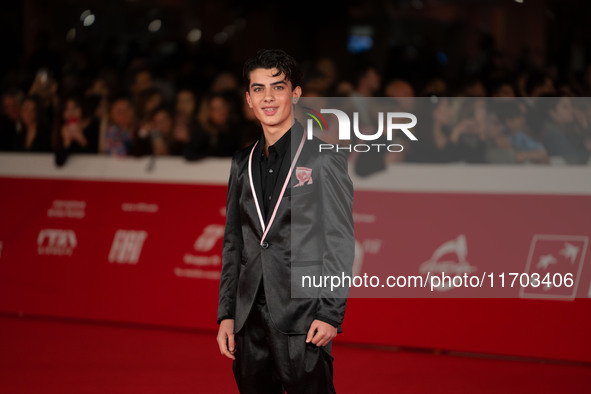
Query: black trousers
x,y
270,362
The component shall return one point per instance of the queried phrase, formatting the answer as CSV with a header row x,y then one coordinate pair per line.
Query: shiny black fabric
x,y
319,216
312,234
270,362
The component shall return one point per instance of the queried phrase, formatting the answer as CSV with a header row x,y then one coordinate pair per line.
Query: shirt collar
x,y
281,146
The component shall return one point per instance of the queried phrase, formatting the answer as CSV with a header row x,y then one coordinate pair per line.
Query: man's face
x,y
122,113
270,97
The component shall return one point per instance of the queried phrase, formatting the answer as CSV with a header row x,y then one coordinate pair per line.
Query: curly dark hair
x,y
274,58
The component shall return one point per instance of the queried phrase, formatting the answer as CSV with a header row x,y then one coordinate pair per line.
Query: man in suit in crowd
x,y
288,216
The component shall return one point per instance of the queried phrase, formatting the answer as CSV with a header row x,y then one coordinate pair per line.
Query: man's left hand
x,y
321,333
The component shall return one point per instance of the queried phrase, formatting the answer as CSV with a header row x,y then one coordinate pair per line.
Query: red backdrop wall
x,y
150,253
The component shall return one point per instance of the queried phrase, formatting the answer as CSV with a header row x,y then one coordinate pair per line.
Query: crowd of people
x,y
140,121
137,112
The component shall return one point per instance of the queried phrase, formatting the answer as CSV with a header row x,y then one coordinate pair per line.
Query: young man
x,y
289,214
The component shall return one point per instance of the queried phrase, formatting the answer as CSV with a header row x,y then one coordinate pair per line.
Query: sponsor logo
x,y
139,207
362,249
205,242
364,218
56,242
208,238
441,260
67,209
553,257
196,273
202,261
127,246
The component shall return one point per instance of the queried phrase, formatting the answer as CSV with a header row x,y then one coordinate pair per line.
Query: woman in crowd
x,y
218,130
156,136
185,120
35,134
79,130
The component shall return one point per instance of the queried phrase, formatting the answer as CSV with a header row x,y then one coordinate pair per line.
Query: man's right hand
x,y
226,338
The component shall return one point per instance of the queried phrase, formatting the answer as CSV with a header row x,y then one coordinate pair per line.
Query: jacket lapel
x,y
254,177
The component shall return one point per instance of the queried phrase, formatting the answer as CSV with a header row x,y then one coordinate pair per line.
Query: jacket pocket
x,y
297,190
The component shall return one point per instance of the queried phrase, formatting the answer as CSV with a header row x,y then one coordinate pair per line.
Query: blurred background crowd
x,y
136,78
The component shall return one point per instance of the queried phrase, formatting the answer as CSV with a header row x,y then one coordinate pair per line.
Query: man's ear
x,y
296,94
248,100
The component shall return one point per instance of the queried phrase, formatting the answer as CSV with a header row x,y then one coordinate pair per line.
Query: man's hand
x,y
321,333
226,338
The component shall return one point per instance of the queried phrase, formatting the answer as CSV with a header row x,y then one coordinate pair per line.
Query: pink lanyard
x,y
256,201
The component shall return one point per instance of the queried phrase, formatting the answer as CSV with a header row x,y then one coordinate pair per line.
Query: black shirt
x,y
269,168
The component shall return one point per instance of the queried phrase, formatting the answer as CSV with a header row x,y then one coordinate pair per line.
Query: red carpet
x,y
52,356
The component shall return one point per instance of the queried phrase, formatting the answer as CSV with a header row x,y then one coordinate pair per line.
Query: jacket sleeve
x,y
336,194
231,250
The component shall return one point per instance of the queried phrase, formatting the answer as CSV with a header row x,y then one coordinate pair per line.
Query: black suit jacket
x,y
309,232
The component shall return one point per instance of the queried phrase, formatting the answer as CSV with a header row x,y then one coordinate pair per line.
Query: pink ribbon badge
x,y
304,175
